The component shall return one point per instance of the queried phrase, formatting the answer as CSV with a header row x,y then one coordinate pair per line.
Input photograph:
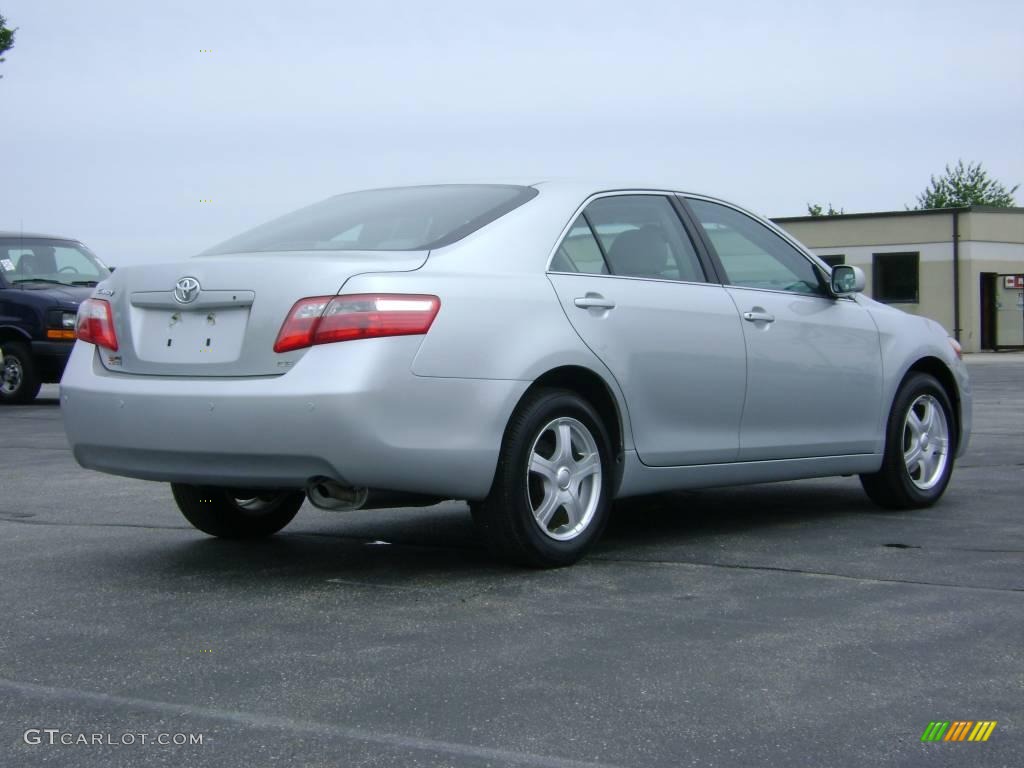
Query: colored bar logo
x,y
959,730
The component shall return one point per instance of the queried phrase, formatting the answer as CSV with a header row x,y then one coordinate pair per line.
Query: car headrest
x,y
641,252
36,263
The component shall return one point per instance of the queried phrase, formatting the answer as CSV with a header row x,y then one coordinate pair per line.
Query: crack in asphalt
x,y
349,733
16,517
37,447
798,571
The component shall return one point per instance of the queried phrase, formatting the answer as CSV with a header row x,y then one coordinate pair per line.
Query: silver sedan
x,y
537,350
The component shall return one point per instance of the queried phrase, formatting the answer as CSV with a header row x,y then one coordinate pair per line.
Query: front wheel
x,y
233,514
19,379
552,489
919,445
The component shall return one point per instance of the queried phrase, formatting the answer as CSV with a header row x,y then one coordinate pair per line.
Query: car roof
x,y
37,236
608,185
567,183
572,186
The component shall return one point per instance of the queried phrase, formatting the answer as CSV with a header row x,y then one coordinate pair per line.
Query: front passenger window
x,y
753,256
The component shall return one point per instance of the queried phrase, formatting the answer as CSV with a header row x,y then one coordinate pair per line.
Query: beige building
x,y
963,267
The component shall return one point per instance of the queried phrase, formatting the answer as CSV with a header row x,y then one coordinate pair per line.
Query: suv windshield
x,y
397,219
39,260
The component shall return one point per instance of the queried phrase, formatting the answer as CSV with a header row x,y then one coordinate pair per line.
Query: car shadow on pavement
x,y
420,546
684,516
392,548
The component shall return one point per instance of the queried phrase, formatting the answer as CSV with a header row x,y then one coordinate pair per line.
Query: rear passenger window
x,y
642,236
579,251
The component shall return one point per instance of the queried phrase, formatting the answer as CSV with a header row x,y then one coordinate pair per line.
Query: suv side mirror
x,y
847,280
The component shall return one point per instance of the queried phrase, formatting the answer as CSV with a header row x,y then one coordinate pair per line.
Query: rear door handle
x,y
594,301
759,316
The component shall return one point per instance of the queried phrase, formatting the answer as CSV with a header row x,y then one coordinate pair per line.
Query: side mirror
x,y
847,280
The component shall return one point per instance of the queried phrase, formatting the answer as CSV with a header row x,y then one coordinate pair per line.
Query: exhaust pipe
x,y
335,497
324,493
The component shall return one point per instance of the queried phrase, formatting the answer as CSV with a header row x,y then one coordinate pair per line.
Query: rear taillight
x,y
326,319
96,323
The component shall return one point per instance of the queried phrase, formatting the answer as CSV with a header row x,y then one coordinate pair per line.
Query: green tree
x,y
816,209
965,185
6,37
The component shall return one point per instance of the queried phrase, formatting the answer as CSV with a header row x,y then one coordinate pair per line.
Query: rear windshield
x,y
397,219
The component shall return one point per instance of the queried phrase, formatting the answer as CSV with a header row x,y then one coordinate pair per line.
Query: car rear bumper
x,y
351,412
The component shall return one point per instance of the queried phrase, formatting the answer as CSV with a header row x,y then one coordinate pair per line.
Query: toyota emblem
x,y
186,290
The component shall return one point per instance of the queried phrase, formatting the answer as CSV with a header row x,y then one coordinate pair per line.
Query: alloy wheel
x,y
925,442
564,478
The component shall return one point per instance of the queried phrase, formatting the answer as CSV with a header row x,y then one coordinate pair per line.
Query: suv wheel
x,y
552,489
230,513
19,379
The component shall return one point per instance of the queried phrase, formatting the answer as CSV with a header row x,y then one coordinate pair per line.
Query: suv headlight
x,y
60,325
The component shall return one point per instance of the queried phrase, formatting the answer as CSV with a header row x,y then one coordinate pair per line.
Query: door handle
x,y
594,301
759,316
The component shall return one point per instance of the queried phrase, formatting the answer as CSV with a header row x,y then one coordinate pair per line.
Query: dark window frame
x,y
876,274
834,259
597,241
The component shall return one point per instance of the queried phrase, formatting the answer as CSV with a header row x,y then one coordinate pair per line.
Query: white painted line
x,y
253,719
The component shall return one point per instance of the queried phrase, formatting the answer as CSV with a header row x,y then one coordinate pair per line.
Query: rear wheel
x,y
233,514
552,489
919,446
19,378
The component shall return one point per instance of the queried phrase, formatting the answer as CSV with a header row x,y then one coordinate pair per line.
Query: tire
x,y
19,377
231,514
905,481
536,477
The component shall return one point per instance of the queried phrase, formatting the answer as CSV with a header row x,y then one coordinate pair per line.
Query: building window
x,y
896,277
835,260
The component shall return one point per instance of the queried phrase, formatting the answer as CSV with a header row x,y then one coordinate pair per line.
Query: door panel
x,y
676,350
814,376
814,362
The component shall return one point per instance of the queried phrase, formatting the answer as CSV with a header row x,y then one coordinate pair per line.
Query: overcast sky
x,y
114,124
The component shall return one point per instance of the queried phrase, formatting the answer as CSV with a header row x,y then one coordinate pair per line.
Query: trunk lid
x,y
236,305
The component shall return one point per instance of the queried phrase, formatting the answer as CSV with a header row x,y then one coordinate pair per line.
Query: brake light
x,y
96,323
326,319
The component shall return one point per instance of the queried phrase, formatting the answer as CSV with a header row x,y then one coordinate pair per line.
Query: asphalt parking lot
x,y
783,625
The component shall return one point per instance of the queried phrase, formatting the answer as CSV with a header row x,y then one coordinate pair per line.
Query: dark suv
x,y
43,279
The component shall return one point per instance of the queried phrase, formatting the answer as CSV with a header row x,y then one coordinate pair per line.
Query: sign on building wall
x,y
1010,312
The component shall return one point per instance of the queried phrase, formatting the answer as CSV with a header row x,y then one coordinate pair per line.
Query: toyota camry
x,y
536,350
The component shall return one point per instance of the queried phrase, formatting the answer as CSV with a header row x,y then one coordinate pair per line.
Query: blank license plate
x,y
208,336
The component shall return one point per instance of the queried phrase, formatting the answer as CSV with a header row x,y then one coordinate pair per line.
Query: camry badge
x,y
186,290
